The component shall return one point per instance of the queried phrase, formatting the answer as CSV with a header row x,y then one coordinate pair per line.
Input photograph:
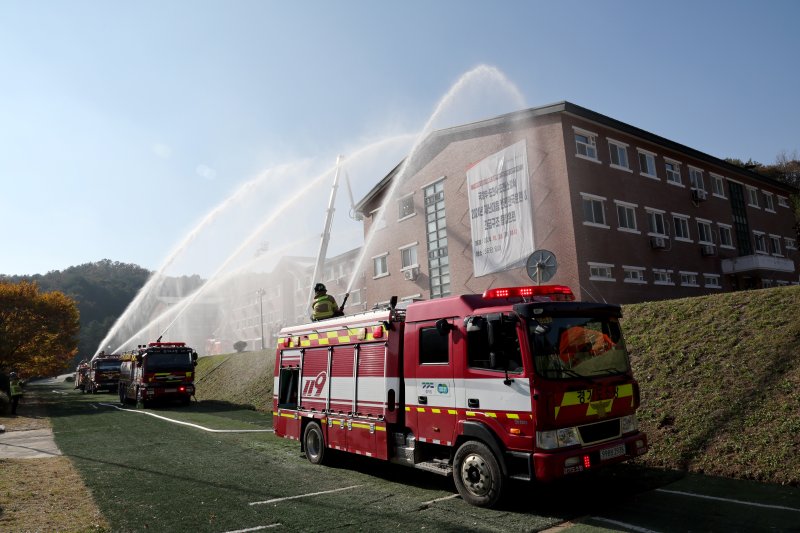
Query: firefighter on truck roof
x,y
324,305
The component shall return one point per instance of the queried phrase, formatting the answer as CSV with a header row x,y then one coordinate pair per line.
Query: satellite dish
x,y
541,266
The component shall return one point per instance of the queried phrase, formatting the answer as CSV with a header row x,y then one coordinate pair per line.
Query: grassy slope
x,y
720,380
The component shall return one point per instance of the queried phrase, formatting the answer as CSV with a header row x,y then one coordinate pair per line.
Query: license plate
x,y
610,453
170,390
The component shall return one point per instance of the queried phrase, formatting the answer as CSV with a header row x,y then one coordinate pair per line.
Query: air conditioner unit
x,y
658,243
707,249
411,273
699,195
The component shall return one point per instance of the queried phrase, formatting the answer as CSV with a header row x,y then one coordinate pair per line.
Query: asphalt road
x,y
262,482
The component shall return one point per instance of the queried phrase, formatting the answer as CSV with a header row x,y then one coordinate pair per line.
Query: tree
x,y
38,330
239,346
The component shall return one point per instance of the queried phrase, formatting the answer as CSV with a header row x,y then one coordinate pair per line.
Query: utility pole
x,y
260,293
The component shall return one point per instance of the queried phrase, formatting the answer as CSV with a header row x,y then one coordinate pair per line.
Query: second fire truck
x,y
159,371
521,383
103,373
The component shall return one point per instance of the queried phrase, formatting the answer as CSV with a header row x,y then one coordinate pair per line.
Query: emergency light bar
x,y
556,293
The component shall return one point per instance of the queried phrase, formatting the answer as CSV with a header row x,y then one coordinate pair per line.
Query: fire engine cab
x,y
521,383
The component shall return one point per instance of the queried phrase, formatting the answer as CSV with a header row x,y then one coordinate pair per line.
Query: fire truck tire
x,y
477,474
314,443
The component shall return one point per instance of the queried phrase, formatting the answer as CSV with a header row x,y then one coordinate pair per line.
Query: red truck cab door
x,y
430,395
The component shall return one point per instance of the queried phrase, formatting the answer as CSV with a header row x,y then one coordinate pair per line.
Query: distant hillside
x,y
720,381
103,290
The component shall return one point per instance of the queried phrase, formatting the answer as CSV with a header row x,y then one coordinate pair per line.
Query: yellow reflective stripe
x,y
380,428
420,409
408,408
471,413
452,412
361,426
512,416
287,415
490,415
436,411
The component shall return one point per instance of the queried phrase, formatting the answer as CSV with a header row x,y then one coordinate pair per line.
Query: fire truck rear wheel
x,y
314,443
477,474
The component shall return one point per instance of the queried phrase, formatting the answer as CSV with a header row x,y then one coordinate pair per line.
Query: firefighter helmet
x,y
319,287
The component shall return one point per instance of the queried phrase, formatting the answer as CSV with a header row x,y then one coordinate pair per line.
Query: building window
x,y
626,214
696,179
355,297
704,232
725,236
752,197
740,223
586,144
600,272
769,205
775,245
379,266
718,185
633,274
619,155
647,164
594,211
711,281
408,256
689,279
378,219
438,258
783,201
662,277
760,241
406,207
791,244
656,221
673,169
681,223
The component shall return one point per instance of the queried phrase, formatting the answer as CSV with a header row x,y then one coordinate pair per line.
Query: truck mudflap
x,y
556,464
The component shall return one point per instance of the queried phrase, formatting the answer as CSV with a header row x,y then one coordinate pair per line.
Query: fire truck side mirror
x,y
194,358
442,326
475,324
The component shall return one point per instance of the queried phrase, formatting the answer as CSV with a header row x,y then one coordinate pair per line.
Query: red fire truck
x,y
103,373
521,383
158,371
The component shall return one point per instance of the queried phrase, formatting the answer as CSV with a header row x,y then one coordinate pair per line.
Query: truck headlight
x,y
559,438
629,424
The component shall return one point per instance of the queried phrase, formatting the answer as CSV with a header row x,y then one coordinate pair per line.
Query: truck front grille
x,y
599,432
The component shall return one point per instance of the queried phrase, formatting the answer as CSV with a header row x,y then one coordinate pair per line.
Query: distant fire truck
x,y
522,383
103,373
81,375
158,371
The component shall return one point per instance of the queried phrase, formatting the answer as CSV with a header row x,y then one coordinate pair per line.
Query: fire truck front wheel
x,y
477,474
314,443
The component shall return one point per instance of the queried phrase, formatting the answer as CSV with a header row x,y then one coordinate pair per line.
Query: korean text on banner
x,y
500,210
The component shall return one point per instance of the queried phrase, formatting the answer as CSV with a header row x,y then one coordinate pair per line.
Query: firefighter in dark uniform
x,y
324,305
15,390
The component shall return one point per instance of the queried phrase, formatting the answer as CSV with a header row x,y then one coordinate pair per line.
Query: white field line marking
x,y
94,406
59,392
442,499
189,424
622,524
741,502
257,528
305,495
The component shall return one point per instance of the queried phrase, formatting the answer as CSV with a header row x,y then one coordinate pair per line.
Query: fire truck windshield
x,y
163,361
108,365
566,347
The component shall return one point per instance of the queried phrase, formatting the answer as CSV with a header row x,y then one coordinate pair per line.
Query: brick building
x,y
629,215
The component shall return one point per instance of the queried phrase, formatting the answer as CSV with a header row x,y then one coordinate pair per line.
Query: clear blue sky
x,y
123,123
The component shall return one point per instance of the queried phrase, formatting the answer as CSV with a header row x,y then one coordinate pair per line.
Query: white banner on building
x,y
500,211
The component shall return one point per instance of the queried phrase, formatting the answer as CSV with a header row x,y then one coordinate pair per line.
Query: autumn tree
x,y
38,330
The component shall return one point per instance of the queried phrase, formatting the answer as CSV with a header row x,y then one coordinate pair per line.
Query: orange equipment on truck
x,y
475,386
159,371
103,373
